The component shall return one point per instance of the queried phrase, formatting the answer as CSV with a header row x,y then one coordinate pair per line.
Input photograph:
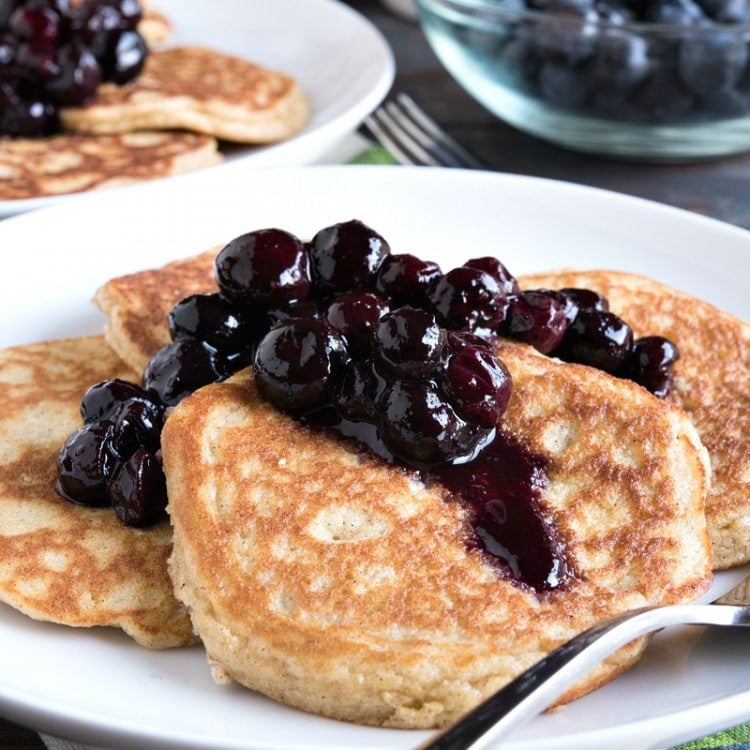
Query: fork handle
x,y
535,689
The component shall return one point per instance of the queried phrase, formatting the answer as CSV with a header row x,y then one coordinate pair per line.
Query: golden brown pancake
x,y
712,384
137,305
201,90
336,583
61,164
62,562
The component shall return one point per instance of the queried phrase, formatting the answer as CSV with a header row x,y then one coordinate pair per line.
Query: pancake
x,y
66,163
201,90
61,562
336,583
137,305
712,384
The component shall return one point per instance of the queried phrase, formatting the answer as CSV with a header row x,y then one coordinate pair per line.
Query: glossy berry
x,y
537,318
211,318
650,364
404,278
467,299
495,268
136,424
268,268
84,465
102,399
599,339
586,299
298,362
355,316
180,368
479,385
357,392
123,56
138,491
79,77
346,257
409,344
420,426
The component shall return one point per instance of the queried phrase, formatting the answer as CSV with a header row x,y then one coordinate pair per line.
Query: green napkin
x,y
374,155
736,738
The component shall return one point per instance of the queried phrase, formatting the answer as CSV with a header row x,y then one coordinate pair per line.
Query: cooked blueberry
x,y
123,56
408,343
479,385
356,394
36,24
180,368
84,465
346,257
419,425
599,339
266,268
404,278
211,318
102,399
79,77
586,299
136,424
355,315
537,318
650,364
138,491
495,268
298,362
467,299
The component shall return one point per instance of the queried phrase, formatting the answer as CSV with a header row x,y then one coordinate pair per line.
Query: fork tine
x,y
454,153
414,138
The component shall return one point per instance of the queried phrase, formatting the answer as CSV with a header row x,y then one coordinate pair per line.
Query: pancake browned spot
x,y
67,163
712,384
201,90
58,561
336,583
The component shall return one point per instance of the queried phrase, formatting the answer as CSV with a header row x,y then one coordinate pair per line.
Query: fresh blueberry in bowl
x,y
666,80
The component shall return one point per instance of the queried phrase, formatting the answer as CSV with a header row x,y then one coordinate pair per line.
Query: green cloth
x,y
737,738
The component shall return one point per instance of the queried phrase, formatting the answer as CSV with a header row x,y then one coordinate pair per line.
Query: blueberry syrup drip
x,y
503,487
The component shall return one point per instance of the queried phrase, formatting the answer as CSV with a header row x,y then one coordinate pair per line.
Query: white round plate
x,y
341,61
96,685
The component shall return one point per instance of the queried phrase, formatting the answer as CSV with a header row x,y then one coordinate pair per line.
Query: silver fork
x,y
413,137
539,686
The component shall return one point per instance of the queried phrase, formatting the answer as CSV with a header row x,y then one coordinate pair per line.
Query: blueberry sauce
x,y
382,350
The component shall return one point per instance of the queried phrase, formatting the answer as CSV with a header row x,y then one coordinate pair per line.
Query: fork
x,y
535,689
413,137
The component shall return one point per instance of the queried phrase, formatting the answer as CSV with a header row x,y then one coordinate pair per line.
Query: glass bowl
x,y
595,77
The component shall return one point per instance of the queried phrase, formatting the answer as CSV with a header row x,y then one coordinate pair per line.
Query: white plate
x,y
97,686
341,61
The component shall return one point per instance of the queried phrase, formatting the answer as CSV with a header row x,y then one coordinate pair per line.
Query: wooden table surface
x,y
718,188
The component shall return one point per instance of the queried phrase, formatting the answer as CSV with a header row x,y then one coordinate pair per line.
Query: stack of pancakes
x,y
337,583
169,120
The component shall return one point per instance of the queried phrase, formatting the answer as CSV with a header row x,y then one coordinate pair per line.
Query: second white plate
x,y
341,61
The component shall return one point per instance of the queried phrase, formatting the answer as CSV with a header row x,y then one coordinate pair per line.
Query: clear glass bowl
x,y
634,90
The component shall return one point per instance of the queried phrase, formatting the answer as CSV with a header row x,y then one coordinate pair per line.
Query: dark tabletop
x,y
717,188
